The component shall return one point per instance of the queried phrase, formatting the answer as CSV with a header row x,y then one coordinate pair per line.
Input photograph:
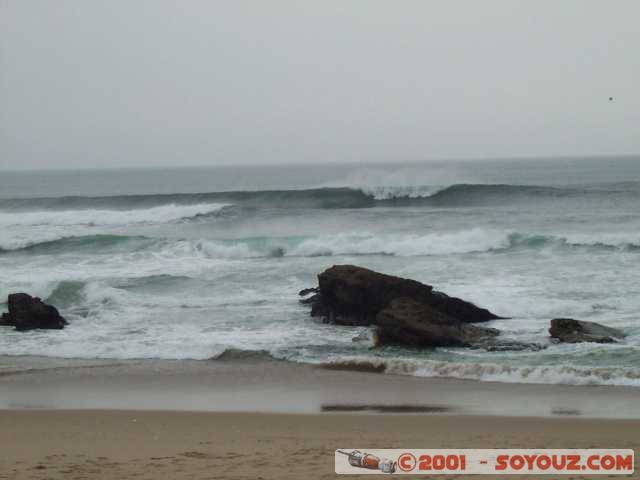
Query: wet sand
x,y
259,385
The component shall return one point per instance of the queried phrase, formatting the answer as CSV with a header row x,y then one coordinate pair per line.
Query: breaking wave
x,y
99,217
493,372
475,240
354,196
85,243
550,374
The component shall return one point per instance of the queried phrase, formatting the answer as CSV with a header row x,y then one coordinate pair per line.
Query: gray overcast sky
x,y
87,83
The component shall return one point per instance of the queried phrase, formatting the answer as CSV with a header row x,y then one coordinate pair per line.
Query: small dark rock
x,y
277,252
574,331
511,346
28,313
240,355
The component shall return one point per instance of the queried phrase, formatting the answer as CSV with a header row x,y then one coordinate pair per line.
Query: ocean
x,y
188,263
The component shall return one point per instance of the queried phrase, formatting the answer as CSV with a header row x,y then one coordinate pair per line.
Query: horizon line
x,y
365,163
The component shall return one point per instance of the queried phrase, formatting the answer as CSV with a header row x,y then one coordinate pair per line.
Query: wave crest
x,y
98,218
357,192
475,240
549,374
88,243
504,373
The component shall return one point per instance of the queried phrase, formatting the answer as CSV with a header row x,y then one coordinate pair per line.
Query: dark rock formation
x,y
4,320
351,295
406,312
28,313
574,331
410,323
311,296
307,291
460,309
312,300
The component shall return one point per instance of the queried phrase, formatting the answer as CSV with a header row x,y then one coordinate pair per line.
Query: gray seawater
x,y
187,263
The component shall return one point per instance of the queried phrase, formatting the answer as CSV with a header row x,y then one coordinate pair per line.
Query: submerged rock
x,y
240,355
28,313
410,323
355,366
511,346
574,331
351,295
277,252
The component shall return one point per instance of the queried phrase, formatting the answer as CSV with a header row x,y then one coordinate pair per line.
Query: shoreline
x,y
255,418
276,386
111,444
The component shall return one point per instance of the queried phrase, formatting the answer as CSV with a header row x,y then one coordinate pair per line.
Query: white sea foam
x,y
384,184
122,324
565,374
612,239
93,217
464,241
551,374
22,229
231,311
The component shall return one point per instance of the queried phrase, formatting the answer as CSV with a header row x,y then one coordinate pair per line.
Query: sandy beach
x,y
256,418
150,445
